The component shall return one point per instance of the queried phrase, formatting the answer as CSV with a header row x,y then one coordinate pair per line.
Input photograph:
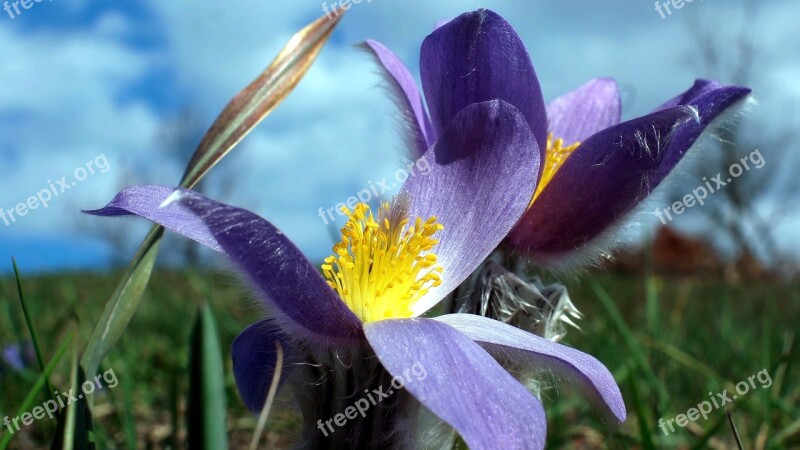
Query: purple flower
x,y
19,356
595,169
391,266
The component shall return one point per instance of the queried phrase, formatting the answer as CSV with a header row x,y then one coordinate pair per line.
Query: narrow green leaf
x,y
687,360
637,352
27,403
75,429
29,322
68,441
123,303
792,430
702,443
734,430
206,411
238,118
645,430
128,422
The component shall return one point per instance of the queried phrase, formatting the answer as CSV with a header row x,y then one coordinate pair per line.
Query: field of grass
x,y
668,342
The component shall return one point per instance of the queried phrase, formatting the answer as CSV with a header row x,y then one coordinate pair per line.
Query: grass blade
x,y
207,415
637,352
29,322
790,431
27,403
239,117
735,431
75,430
688,360
69,418
644,419
128,422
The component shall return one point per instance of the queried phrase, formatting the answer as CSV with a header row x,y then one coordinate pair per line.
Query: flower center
x,y
381,268
555,155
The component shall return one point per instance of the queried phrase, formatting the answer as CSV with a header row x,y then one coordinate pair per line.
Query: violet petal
x,y
481,179
478,57
538,353
459,382
290,286
406,96
584,111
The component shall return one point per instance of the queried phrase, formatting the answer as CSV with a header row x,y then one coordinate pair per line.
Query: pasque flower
x,y
594,169
18,356
391,266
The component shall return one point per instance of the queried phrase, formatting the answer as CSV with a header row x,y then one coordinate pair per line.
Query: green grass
x,y
668,342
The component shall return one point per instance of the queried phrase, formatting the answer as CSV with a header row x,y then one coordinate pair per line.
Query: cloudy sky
x,y
105,82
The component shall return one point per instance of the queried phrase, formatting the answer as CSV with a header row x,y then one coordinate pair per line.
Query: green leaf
x,y
68,441
689,361
27,403
238,118
636,349
123,303
128,422
644,420
206,412
29,322
75,429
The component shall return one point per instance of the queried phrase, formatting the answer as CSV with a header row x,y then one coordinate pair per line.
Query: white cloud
x,y
60,101
60,93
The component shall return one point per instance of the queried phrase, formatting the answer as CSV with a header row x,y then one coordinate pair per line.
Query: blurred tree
x,y
745,213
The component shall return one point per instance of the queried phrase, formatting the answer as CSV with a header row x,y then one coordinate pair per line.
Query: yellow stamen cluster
x,y
555,156
382,267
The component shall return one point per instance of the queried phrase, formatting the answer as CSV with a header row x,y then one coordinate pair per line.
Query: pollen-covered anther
x,y
555,156
382,267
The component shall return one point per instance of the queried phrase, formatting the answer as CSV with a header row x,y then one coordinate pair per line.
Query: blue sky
x,y
89,79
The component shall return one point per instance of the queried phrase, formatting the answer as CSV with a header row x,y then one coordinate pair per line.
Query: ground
x,y
671,343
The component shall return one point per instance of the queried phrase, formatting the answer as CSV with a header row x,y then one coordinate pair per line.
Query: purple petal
x,y
18,356
254,358
536,352
406,95
583,112
699,88
478,57
481,179
600,182
460,383
293,290
441,23
145,201
610,173
710,103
